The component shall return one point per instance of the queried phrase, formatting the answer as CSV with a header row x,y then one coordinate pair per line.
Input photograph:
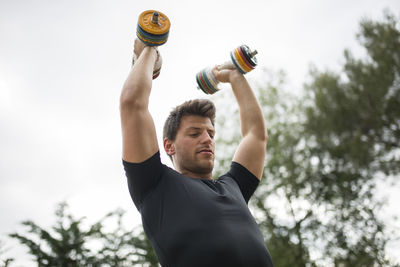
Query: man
x,y
190,218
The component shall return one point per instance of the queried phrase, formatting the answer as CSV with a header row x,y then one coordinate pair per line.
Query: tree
x,y
70,243
5,261
327,151
353,118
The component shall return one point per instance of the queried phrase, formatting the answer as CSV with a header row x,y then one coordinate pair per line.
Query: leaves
x,y
70,243
317,203
327,151
4,261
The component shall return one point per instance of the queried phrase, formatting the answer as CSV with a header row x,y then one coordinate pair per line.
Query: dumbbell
x,y
153,30
242,59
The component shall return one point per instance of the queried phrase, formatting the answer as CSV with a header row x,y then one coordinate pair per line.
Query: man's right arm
x,y
138,131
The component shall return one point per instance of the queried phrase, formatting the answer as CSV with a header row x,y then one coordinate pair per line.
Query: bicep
x,y
138,135
251,154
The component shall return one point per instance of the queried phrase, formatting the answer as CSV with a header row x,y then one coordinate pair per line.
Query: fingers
x,y
214,71
222,75
138,47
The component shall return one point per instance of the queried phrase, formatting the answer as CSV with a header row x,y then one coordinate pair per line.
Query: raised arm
x,y
252,148
138,131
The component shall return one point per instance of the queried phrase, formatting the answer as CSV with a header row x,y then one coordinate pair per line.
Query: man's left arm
x,y
252,148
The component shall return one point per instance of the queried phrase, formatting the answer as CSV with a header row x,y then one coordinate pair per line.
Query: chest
x,y
179,204
200,220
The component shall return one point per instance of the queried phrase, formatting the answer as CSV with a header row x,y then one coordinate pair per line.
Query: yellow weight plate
x,y
146,22
241,62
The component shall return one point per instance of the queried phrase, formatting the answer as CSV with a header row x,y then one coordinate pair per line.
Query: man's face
x,y
194,146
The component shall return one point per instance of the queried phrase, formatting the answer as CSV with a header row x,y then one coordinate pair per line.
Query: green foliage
x,y
4,261
70,243
317,202
327,151
356,113
353,118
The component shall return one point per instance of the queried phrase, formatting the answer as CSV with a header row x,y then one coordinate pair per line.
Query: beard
x,y
198,164
202,166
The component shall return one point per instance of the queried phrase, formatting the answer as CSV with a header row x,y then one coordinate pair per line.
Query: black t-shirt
x,y
197,222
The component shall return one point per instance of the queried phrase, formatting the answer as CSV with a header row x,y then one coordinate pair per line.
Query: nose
x,y
206,138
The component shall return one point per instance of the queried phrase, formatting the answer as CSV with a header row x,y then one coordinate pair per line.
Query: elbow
x,y
263,136
266,136
264,132
258,132
131,98
132,103
260,135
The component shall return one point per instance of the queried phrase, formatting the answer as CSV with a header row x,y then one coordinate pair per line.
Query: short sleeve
x,y
246,181
143,177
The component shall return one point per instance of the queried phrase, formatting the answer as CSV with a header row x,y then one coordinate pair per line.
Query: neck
x,y
196,175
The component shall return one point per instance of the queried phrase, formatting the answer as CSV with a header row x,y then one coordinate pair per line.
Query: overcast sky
x,y
63,63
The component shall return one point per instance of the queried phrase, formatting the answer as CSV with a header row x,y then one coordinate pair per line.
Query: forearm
x,y
251,116
137,87
138,131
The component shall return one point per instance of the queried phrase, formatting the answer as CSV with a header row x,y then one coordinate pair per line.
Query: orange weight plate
x,y
146,22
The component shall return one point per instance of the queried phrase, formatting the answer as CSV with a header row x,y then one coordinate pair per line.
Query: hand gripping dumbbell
x,y
242,59
153,30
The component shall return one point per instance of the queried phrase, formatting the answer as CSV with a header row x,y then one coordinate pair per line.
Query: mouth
x,y
206,151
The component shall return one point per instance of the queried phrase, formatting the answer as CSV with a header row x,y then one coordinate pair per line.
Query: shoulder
x,y
239,172
245,180
143,177
152,160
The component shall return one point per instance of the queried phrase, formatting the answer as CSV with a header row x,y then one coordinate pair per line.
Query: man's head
x,y
189,136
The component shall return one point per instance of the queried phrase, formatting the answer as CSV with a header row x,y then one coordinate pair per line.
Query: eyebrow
x,y
198,128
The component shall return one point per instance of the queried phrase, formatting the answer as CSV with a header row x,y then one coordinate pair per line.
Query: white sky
x,y
63,63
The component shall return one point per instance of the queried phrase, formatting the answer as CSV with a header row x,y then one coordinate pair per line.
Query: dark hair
x,y
200,107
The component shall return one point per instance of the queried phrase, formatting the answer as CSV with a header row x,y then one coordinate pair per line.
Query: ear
x,y
169,147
